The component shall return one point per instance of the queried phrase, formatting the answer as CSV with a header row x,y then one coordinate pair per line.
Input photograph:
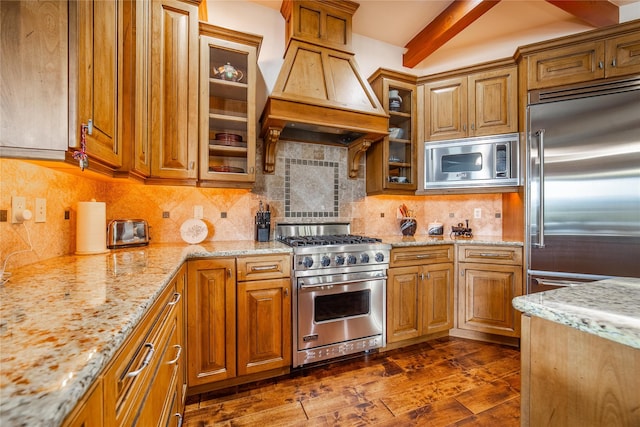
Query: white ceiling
x,y
397,22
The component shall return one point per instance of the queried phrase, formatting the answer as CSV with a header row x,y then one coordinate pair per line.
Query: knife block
x,y
262,232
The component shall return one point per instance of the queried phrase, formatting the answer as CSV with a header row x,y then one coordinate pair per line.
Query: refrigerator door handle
x,y
540,135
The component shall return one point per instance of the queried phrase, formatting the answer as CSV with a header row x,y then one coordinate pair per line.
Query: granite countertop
x,y
63,319
423,239
608,308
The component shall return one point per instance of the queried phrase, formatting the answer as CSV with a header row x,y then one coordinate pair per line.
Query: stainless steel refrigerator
x,y
583,191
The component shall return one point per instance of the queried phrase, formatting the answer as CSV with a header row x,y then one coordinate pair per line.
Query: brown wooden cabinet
x,y
211,320
476,104
88,412
96,98
489,277
174,91
264,313
142,382
238,332
420,290
227,106
392,161
34,68
585,61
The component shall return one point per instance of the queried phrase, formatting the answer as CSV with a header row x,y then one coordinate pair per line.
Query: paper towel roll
x,y
91,228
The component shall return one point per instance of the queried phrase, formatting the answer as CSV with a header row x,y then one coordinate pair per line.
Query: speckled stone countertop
x,y
62,320
422,240
608,308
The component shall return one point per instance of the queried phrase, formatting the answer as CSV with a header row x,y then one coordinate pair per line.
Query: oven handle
x,y
329,285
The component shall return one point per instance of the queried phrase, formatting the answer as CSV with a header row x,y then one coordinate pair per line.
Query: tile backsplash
x,y
309,184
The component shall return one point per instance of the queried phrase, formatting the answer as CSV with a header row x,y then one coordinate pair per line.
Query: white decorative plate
x,y
193,231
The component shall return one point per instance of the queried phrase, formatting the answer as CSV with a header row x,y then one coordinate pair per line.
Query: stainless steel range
x,y
339,290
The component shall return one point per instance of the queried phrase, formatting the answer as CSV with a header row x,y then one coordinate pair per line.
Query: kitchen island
x,y
580,355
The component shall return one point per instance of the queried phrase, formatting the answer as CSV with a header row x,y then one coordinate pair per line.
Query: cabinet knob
x,y
464,128
286,292
473,126
613,62
601,65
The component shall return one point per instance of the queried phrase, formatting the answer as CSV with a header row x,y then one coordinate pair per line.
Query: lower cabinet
x,y
88,413
144,383
489,277
419,292
238,320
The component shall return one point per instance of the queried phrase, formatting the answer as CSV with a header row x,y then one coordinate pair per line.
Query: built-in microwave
x,y
487,161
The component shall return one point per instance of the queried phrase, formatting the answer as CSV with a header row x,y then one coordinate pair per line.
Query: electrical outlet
x,y
165,214
3,215
18,204
381,214
477,213
198,212
223,214
41,210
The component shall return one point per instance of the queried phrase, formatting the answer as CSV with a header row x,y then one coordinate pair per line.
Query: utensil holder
x,y
408,226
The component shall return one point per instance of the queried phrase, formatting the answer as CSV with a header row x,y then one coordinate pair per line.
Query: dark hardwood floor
x,y
445,382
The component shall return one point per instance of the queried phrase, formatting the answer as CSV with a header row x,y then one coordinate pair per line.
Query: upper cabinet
x,y
584,61
228,75
391,162
96,99
465,104
174,91
34,112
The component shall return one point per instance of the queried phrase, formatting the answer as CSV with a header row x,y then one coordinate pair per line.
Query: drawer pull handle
x,y
493,255
179,415
266,268
286,292
171,362
176,298
145,361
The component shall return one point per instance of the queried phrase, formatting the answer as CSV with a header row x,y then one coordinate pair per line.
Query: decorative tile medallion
x,y
310,189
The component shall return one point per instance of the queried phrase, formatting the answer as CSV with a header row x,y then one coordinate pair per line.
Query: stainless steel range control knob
x,y
379,257
351,259
325,261
364,258
307,262
339,259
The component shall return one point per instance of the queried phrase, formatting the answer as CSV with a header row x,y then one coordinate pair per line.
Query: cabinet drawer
x,y
490,254
420,255
263,267
131,372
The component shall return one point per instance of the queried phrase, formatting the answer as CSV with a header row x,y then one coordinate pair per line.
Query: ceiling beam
x,y
597,13
455,18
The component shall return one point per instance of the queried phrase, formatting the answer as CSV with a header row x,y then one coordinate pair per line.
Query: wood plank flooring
x,y
445,382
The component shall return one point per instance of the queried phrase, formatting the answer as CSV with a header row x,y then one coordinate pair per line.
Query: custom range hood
x,y
319,96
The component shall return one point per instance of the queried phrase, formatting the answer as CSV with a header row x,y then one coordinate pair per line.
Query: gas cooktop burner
x,y
337,239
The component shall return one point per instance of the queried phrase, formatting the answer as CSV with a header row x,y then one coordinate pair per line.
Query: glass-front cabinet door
x,y
228,61
391,163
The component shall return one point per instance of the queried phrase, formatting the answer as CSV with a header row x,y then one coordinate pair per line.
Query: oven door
x,y
337,308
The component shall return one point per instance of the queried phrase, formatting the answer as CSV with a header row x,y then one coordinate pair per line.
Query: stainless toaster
x,y
127,232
